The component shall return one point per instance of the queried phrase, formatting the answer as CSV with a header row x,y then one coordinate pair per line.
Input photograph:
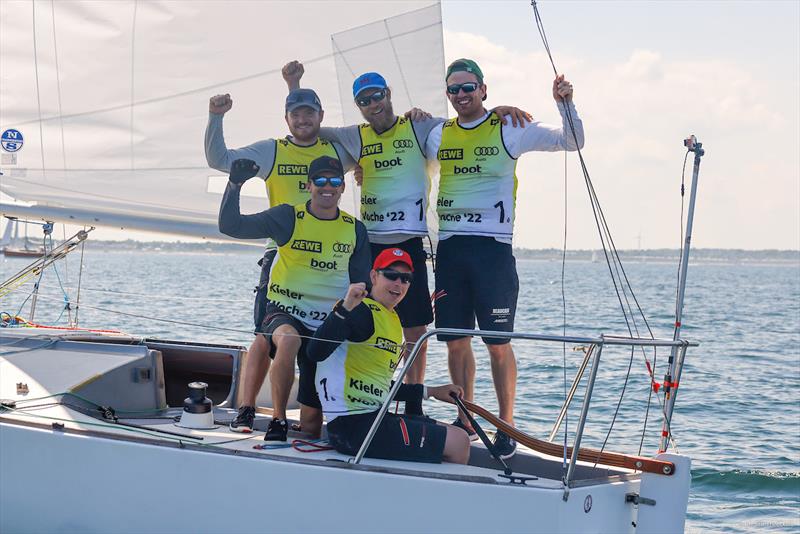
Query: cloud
x,y
636,109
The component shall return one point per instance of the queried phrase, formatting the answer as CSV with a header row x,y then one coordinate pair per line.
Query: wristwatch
x,y
339,310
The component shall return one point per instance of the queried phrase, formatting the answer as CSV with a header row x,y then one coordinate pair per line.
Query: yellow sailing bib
x,y
311,271
287,182
394,193
478,183
356,377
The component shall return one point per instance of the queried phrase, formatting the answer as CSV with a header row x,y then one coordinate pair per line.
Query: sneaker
x,y
244,420
473,436
504,445
277,430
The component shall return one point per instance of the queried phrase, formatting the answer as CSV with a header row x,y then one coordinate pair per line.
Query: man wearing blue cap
x,y
394,190
283,164
476,273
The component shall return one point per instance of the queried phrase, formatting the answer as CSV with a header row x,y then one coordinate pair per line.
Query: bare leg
x,y
256,365
287,343
456,446
504,373
311,420
461,361
416,373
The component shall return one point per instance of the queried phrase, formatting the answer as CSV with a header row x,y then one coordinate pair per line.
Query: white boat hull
x,y
55,481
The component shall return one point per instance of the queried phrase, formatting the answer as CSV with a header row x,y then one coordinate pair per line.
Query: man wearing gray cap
x,y
283,164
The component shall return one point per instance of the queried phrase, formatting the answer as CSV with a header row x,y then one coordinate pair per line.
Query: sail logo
x,y
450,153
307,246
486,151
11,140
289,169
371,150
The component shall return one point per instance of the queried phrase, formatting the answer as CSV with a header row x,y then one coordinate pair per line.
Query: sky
x,y
646,75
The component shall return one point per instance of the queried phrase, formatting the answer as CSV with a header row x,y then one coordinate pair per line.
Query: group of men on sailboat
x,y
347,350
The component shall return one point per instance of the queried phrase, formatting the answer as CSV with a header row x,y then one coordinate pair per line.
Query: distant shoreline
x,y
701,255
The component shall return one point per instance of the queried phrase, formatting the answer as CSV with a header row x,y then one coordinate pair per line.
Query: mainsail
x,y
111,97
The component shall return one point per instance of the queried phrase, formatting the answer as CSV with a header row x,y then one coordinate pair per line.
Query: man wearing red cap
x,y
476,274
357,349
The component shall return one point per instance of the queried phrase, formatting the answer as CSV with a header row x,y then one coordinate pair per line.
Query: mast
x,y
673,374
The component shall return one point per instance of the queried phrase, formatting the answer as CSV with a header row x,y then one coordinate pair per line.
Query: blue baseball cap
x,y
368,80
302,97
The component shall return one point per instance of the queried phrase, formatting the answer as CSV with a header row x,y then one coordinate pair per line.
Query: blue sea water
x,y
738,405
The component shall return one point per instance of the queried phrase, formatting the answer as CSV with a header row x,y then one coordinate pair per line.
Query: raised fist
x,y
220,104
242,170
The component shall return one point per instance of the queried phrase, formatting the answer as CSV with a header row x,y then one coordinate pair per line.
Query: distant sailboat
x,y
12,245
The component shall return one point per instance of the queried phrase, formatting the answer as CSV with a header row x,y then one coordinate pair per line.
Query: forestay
x,y
111,97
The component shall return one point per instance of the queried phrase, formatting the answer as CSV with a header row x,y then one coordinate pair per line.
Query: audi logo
x,y
342,247
486,151
403,143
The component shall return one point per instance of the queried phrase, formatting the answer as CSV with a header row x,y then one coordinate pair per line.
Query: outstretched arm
x,y
538,136
277,222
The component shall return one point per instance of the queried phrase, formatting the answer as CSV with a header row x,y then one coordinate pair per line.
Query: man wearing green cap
x,y
394,189
476,274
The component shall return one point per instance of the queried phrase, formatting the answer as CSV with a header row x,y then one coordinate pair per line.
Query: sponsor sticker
x,y
11,140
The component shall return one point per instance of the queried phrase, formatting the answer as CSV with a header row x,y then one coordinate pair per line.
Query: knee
x,y
459,445
459,347
413,333
500,352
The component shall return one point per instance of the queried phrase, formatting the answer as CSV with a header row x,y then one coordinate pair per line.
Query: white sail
x,y
111,97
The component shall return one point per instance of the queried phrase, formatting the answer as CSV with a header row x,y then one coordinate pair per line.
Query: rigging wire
x,y
564,324
618,275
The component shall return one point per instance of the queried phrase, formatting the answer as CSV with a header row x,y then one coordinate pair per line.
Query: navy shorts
x,y
476,277
415,308
399,437
275,317
260,303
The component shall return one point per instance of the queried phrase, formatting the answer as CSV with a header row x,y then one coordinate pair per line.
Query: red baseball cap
x,y
390,256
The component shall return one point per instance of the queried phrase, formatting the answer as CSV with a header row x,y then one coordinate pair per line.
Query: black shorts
x,y
476,277
399,437
415,309
260,303
275,317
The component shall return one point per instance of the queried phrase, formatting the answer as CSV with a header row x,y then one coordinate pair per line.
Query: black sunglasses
x,y
321,181
377,96
468,87
393,275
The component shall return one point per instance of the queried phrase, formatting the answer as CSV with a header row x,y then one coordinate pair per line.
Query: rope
x,y
617,272
187,323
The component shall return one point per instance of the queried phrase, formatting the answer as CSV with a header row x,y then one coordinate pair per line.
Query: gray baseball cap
x,y
302,97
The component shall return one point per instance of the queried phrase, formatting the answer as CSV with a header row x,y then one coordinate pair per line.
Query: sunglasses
x,y
468,87
393,275
322,181
377,96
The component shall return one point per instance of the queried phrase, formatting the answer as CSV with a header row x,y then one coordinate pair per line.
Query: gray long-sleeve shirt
x,y
220,157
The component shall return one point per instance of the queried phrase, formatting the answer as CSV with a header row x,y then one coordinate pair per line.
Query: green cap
x,y
464,65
